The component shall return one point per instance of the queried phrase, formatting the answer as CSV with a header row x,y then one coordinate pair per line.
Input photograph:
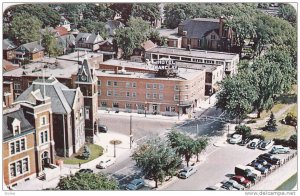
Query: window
x,y
116,93
99,92
17,86
176,97
17,146
127,84
148,86
154,96
99,82
46,136
148,96
154,86
134,94
103,104
161,96
29,84
25,165
185,59
87,113
42,137
109,83
127,94
176,87
43,120
19,167
128,106
161,87
186,87
16,129
80,113
109,93
115,83
141,107
12,148
115,105
134,85
23,144
213,36
170,109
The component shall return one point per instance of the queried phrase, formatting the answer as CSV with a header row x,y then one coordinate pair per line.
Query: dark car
x,y
259,167
264,163
244,142
270,158
102,128
85,171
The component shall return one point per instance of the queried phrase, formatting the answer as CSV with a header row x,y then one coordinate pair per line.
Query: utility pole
x,y
115,148
179,103
197,129
130,132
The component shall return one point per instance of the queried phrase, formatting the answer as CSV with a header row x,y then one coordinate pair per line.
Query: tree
x,y
46,14
147,11
89,26
71,11
288,12
87,181
237,95
99,12
124,9
49,42
200,145
271,123
155,37
156,159
243,130
291,119
183,145
25,28
86,152
293,141
174,15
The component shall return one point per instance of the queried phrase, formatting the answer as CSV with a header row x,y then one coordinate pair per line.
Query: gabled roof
x,y
8,44
31,47
61,31
147,45
85,69
89,38
8,66
213,30
70,96
196,28
54,90
8,118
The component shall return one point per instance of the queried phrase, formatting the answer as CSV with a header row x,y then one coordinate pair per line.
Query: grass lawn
x,y
275,109
289,184
95,151
284,132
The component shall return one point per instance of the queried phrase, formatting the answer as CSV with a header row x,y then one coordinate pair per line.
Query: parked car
x,y
102,128
265,145
244,142
254,143
253,170
264,163
85,171
105,163
279,149
242,180
187,172
270,158
135,184
259,167
215,187
241,170
232,184
236,138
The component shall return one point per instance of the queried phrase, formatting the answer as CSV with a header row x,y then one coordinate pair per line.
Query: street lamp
x,y
178,111
130,132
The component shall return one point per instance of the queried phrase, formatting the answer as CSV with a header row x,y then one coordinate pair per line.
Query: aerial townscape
x,y
149,96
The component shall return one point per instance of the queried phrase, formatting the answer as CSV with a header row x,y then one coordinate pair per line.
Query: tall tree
x,y
49,42
90,26
199,146
156,159
87,181
271,123
155,37
25,28
147,11
123,9
237,95
99,12
288,12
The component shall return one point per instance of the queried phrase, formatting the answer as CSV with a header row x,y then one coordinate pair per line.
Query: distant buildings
x,y
32,51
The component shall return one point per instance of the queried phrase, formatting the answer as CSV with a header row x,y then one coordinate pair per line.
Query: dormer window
x,y
43,120
16,128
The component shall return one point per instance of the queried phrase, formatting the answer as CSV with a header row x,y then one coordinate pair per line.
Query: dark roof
x,y
196,28
8,44
31,47
90,38
85,69
8,118
54,90
70,96
208,32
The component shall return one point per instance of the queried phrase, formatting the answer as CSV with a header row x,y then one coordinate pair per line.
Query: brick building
x,y
8,49
8,94
32,51
28,145
138,87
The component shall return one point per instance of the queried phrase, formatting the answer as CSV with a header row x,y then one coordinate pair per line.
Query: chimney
x,y
221,26
116,69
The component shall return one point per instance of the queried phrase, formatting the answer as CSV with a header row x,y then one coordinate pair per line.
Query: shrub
x,y
291,119
86,152
243,130
261,137
293,141
271,123
282,142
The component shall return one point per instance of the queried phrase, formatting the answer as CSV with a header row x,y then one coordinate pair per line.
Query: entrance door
x,y
154,107
45,160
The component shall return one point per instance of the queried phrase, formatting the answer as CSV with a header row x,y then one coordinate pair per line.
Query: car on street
x,y
244,142
270,158
85,171
235,138
102,128
265,145
135,184
242,180
105,163
232,184
259,167
279,149
187,172
254,143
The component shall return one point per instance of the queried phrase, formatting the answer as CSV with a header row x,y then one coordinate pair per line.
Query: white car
x,y
187,172
279,149
265,145
105,163
236,138
254,143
